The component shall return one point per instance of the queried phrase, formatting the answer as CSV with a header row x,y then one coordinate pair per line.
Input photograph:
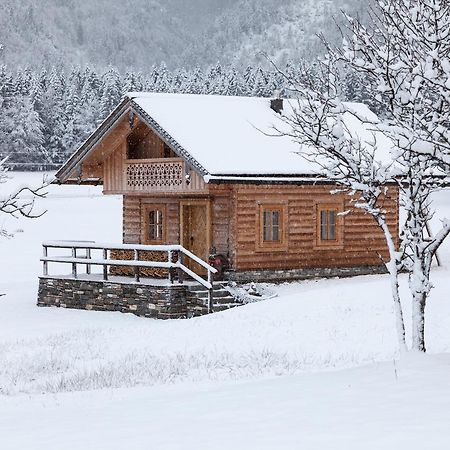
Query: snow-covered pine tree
x,y
163,80
260,84
21,134
111,93
50,105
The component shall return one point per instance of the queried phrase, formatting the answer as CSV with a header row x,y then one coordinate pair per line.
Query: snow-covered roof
x,y
226,135
234,135
223,137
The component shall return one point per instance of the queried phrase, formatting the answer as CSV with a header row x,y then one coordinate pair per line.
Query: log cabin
x,y
206,172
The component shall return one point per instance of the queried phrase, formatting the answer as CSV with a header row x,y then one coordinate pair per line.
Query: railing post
x,y
105,266
210,293
136,268
74,264
180,270
170,261
45,263
88,257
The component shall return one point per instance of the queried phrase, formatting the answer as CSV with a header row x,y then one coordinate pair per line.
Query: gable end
x,y
167,138
125,107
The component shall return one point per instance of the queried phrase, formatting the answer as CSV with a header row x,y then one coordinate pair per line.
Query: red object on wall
x,y
220,263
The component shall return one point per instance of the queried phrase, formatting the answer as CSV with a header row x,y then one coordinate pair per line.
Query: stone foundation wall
x,y
300,274
159,302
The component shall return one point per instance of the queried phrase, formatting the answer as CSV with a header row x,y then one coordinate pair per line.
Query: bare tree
x,y
349,155
404,55
20,202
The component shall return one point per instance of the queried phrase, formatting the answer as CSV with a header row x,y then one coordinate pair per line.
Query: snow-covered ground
x,y
315,368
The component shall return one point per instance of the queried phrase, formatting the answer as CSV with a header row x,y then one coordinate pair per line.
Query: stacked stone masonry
x,y
159,302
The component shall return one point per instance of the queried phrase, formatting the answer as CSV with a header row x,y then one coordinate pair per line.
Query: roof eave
x,y
297,179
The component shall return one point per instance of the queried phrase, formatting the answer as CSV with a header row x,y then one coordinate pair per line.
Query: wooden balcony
x,y
156,175
150,176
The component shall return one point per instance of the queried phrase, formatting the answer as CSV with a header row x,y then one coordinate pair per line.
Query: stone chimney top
x,y
277,105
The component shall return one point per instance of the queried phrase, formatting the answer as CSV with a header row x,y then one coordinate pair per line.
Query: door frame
x,y
197,202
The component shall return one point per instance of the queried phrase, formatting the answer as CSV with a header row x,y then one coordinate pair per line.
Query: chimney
x,y
277,105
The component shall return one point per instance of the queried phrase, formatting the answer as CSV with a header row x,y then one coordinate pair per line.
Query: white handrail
x,y
108,246
140,247
136,263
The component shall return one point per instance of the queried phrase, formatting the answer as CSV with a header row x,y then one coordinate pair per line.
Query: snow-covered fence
x,y
81,254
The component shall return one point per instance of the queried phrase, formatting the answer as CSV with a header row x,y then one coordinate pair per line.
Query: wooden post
x,y
74,264
180,270
88,257
169,260
136,268
210,293
45,264
105,266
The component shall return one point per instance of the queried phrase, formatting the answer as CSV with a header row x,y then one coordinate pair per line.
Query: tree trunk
x,y
392,267
399,322
418,321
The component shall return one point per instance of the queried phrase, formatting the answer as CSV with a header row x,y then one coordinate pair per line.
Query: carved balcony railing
x,y
160,175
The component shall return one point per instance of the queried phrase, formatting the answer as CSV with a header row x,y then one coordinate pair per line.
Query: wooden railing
x,y
87,260
160,175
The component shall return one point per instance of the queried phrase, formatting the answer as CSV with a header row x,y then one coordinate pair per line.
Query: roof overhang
x,y
267,179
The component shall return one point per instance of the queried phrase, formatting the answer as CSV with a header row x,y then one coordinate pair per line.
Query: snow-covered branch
x,y
21,201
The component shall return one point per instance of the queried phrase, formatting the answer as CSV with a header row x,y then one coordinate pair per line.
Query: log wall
x,y
235,226
362,241
133,220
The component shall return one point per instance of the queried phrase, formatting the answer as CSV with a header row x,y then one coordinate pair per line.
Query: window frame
x,y
338,241
281,244
145,235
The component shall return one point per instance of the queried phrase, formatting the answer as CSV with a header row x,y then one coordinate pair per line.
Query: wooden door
x,y
195,232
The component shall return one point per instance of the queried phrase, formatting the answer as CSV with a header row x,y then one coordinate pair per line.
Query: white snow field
x,y
315,368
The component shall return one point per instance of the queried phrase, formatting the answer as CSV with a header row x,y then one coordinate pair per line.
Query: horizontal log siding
x,y
221,224
131,220
363,241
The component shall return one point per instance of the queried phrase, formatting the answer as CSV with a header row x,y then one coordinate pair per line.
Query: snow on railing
x,y
105,261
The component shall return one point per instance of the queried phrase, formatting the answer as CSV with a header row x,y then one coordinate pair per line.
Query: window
x,y
154,224
329,225
271,226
